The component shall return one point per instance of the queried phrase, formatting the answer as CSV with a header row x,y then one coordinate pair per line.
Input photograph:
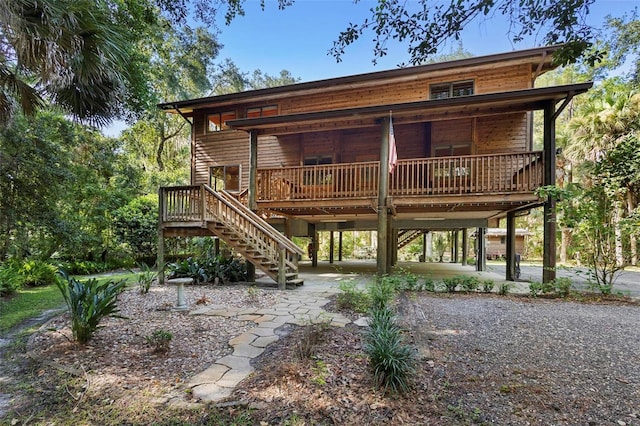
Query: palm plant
x,y
88,302
71,53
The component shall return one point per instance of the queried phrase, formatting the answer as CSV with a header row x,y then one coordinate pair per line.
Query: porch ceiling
x,y
428,110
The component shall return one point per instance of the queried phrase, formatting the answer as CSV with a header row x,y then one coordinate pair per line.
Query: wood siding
x,y
492,80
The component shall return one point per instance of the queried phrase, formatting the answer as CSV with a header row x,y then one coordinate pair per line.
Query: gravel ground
x,y
521,361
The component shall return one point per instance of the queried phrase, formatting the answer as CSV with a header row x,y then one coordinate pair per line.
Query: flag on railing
x,y
393,154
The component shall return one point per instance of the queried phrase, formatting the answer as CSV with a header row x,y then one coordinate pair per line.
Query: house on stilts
x,y
274,163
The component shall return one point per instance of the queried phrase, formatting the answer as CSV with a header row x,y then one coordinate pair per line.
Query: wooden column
x,y
511,247
393,243
465,246
456,246
340,246
382,258
252,192
549,218
160,254
314,248
331,247
481,259
424,247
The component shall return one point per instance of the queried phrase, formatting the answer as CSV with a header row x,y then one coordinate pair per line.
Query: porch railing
x,y
472,174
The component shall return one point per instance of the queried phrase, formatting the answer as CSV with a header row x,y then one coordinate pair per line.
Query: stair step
x,y
297,282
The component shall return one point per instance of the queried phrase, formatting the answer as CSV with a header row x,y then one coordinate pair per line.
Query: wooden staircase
x,y
230,220
405,237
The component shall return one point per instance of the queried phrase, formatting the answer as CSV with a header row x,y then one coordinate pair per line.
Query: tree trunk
x,y
633,239
564,244
617,215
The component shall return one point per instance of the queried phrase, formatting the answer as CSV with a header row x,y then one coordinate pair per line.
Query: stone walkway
x,y
302,306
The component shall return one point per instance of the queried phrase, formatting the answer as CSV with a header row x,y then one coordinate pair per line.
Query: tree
x,y
70,53
425,26
230,79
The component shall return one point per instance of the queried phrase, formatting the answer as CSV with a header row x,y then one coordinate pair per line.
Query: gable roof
x,y
541,57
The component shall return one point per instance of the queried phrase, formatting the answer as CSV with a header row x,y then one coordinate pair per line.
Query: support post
x,y
160,255
331,247
340,246
282,273
481,260
549,218
511,247
314,248
252,190
465,246
382,258
423,258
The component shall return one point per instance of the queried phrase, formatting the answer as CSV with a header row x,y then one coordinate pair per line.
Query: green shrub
x,y
488,286
469,283
10,279
88,302
390,359
83,267
145,277
353,298
504,288
383,291
36,273
188,268
451,284
559,286
429,285
159,340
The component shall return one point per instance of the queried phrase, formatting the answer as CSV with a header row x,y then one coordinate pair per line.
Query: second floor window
x,y
262,111
451,90
216,121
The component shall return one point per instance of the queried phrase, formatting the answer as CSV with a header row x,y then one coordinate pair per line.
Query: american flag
x,y
393,154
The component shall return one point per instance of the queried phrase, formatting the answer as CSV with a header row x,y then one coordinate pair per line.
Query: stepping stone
x,y
210,375
236,363
211,392
243,339
247,351
263,342
232,378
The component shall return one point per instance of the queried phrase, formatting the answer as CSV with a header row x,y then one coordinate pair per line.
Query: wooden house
x,y
319,156
496,242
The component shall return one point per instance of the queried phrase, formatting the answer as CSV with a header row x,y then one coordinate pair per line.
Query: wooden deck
x,y
423,180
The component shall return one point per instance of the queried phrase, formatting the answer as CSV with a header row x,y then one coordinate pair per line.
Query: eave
x,y
540,58
428,110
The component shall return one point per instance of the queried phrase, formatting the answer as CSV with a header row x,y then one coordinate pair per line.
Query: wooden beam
x,y
481,257
160,254
511,247
382,257
549,217
331,247
465,245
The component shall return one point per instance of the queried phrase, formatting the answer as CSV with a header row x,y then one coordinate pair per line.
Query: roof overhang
x,y
411,112
540,58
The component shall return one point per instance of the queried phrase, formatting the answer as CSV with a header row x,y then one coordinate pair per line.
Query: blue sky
x,y
297,39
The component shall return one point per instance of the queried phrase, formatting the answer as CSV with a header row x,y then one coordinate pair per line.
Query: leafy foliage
x,y
353,298
226,269
159,340
136,225
426,26
88,303
390,359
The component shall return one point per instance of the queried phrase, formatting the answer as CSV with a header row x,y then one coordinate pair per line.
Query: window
x,y
225,177
262,111
454,150
451,90
315,176
216,121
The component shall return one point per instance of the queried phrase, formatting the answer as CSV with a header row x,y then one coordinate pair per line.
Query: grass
x,y
31,302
